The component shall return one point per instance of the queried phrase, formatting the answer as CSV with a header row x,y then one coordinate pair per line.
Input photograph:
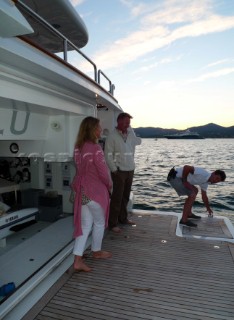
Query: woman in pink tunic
x,y
92,185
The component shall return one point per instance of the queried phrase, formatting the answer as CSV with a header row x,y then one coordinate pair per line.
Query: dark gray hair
x,y
123,115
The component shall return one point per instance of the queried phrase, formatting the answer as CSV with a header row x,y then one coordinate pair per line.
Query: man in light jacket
x,y
119,153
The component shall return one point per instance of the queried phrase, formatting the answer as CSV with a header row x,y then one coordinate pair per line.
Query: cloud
x,y
216,63
179,11
161,27
214,74
144,41
209,25
155,65
76,2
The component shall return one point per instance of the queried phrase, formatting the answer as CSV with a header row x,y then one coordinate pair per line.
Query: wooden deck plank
x,y
145,302
152,275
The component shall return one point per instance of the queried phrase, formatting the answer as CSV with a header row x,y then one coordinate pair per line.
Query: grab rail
x,y
66,42
111,86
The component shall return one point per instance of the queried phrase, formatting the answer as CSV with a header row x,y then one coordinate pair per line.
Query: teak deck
x,y
152,275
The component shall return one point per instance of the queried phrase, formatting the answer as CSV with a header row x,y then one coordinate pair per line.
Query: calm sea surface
x,y
155,157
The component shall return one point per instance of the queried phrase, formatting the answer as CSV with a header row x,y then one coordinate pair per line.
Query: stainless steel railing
x,y
66,43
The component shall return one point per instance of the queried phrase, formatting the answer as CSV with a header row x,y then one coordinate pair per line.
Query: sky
x,y
171,61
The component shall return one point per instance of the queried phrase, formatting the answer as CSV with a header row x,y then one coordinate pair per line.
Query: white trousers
x,y
92,218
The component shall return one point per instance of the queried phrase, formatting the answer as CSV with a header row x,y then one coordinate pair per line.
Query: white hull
x,y
47,105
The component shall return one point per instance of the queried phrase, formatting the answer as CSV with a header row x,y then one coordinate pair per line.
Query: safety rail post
x,y
84,56
112,89
65,50
100,72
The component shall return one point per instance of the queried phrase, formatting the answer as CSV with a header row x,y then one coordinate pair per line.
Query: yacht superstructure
x,y
44,97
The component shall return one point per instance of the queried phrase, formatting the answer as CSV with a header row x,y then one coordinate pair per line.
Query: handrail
x,y
66,42
99,78
111,85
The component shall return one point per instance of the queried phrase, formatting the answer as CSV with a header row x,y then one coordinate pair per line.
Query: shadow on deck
x,y
153,274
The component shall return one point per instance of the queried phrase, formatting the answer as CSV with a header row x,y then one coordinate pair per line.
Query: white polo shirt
x,y
200,177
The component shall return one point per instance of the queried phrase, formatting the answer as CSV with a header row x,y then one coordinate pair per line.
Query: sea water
x,y
155,157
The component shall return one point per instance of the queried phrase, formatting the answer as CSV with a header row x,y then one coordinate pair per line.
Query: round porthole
x,y
14,148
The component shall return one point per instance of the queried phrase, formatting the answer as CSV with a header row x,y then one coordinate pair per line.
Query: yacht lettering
x,y
18,132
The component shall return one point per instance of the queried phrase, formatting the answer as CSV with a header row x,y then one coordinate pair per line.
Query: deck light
x,y
56,126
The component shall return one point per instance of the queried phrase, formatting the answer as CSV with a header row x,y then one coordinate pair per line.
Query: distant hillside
x,y
210,130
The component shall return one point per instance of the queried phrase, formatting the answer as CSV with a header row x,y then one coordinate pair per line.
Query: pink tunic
x,y
92,175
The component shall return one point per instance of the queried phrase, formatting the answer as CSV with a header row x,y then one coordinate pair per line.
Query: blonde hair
x,y
87,131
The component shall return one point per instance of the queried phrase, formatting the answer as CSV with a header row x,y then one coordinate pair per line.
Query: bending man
x,y
184,179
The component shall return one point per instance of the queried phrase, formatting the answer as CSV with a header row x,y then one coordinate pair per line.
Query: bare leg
x,y
79,265
188,207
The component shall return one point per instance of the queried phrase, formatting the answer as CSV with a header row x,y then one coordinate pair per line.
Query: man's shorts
x,y
179,187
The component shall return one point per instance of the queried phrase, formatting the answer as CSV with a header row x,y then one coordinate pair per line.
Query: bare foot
x,y
81,266
129,222
116,230
102,255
